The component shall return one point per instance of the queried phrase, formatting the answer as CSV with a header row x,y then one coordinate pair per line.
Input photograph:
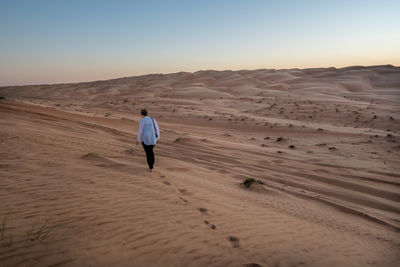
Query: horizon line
x,y
176,72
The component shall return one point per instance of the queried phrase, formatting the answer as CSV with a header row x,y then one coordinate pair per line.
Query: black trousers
x,y
149,154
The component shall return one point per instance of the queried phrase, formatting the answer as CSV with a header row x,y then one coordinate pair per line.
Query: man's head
x,y
143,112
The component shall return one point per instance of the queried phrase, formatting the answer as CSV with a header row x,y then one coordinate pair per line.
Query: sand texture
x,y
323,147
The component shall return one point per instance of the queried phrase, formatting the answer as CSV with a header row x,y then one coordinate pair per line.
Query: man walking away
x,y
148,134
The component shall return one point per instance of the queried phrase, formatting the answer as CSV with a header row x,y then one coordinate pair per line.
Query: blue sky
x,y
70,41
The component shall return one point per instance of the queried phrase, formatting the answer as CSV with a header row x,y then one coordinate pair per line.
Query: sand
x,y
75,191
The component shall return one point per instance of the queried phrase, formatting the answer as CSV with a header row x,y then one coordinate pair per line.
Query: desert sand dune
x,y
322,146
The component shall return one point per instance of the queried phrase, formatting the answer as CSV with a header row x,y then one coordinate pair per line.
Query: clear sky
x,y
82,40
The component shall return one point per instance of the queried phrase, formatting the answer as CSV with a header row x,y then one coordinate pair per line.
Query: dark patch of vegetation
x,y
292,146
266,138
249,181
332,148
2,98
320,129
39,233
280,138
3,227
3,231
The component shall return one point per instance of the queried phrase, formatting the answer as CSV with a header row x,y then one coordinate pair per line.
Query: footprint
x,y
167,183
203,211
183,191
212,226
184,200
234,241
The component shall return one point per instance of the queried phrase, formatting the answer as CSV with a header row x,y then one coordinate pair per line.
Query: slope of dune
x,y
322,144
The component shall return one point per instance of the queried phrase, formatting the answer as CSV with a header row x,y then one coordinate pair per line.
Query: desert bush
x,y
249,181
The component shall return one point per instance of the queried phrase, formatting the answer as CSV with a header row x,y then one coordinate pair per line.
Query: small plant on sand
x,y
3,227
292,146
3,232
40,232
249,181
280,138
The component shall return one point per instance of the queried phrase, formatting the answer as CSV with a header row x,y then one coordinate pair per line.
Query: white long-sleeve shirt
x,y
146,131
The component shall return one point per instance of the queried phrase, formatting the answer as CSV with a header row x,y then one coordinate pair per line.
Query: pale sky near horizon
x,y
55,41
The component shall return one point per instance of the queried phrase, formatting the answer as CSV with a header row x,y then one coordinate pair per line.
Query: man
x,y
148,134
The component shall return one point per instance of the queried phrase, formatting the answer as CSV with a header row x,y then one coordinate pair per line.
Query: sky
x,y
57,41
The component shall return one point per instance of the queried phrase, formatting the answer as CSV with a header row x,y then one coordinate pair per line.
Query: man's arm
x,y
157,129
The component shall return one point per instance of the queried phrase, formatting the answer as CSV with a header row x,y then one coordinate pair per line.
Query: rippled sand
x,y
74,189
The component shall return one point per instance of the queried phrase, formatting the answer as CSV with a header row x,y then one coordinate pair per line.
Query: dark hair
x,y
143,112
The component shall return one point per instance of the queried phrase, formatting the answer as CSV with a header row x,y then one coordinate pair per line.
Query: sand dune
x,y
322,144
